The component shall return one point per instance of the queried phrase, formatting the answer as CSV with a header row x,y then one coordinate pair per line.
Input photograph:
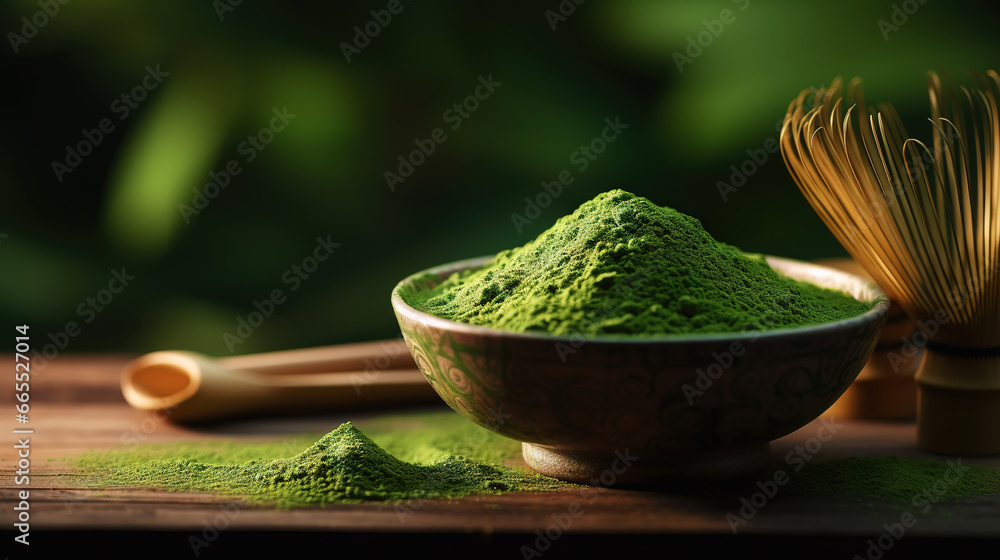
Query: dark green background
x,y
323,175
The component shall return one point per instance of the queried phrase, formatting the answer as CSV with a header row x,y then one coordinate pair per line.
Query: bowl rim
x,y
879,311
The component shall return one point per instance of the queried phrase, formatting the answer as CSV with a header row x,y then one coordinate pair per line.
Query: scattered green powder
x,y
344,466
441,455
620,265
895,480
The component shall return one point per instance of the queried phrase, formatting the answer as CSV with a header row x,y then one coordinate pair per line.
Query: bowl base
x,y
625,469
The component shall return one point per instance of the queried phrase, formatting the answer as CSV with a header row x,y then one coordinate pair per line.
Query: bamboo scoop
x,y
190,387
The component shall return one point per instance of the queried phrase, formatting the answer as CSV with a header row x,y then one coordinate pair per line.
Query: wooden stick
x,y
377,355
189,387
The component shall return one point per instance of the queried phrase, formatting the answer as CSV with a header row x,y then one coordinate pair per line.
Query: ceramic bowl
x,y
639,410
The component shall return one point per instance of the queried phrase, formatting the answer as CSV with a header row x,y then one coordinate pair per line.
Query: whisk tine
x,y
921,218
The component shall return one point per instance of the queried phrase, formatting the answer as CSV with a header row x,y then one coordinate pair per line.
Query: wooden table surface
x,y
76,406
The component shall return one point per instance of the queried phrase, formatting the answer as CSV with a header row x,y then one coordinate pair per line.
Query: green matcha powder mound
x,y
621,265
344,466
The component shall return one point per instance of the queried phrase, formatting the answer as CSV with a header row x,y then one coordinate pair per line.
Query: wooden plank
x,y
74,378
100,419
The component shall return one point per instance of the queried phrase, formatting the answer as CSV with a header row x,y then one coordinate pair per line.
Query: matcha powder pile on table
x,y
344,466
620,265
904,481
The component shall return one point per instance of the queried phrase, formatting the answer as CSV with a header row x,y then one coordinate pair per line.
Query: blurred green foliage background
x,y
224,69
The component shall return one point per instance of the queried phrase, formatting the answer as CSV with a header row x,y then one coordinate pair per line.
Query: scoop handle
x,y
376,355
235,394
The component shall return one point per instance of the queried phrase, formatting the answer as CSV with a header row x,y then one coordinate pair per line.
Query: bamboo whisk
x,y
922,220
